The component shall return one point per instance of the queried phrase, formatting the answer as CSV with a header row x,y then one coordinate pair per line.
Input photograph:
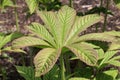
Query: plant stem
x,y
67,64
101,4
106,15
16,16
4,74
70,3
62,66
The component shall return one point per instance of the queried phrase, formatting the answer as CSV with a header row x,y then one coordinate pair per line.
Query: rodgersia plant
x,y
60,33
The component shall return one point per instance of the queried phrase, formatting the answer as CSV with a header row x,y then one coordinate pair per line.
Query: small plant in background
x,y
5,3
117,2
4,40
98,72
43,5
28,73
60,34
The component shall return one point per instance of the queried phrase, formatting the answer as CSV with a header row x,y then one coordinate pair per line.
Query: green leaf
x,y
108,55
45,60
53,74
27,72
6,3
85,53
100,53
113,33
117,2
66,17
107,75
51,23
114,46
77,78
82,23
7,38
12,50
32,4
114,63
96,36
28,41
41,32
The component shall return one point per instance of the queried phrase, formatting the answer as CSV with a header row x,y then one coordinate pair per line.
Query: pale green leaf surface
x,y
113,33
114,46
114,63
45,60
82,23
28,41
77,78
100,53
96,36
41,32
12,50
66,17
107,56
51,23
32,4
7,38
85,54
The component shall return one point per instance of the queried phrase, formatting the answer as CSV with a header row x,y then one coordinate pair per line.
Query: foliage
x,y
61,32
4,39
28,73
97,72
117,2
107,58
5,3
105,75
42,5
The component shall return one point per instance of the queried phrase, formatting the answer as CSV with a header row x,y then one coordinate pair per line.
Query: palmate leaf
x,y
85,53
45,60
59,23
28,41
82,23
41,32
32,4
